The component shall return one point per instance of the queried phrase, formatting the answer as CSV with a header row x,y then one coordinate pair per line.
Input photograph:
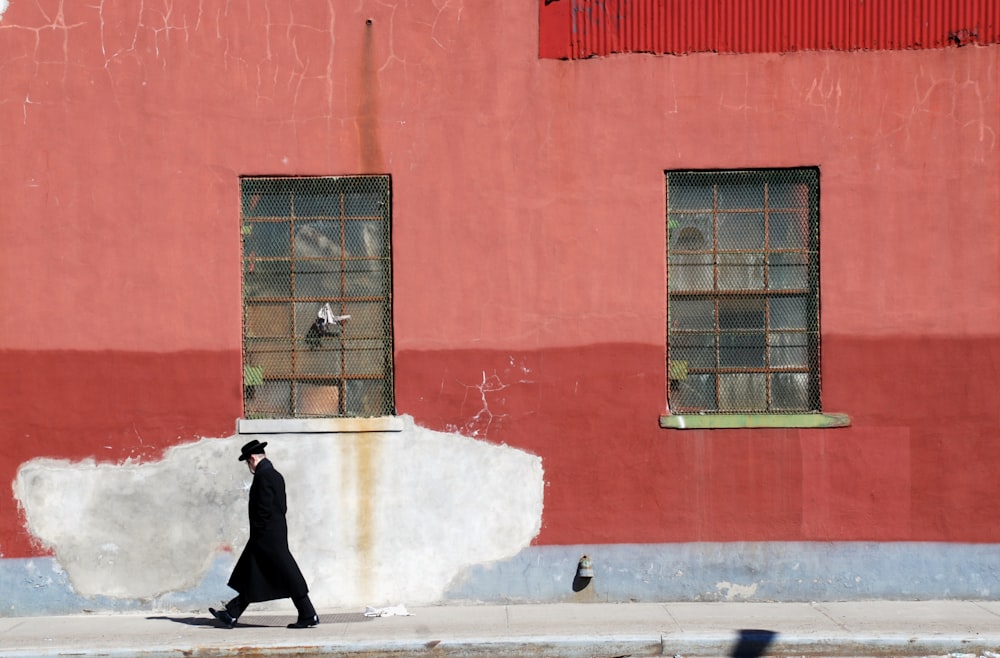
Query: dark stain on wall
x,y
370,148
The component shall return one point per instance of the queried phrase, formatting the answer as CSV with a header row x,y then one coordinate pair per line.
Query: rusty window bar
x,y
317,297
743,291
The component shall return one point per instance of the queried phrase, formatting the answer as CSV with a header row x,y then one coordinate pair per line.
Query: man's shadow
x,y
249,621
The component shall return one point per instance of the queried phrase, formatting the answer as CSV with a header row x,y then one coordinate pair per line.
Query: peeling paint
x,y
734,592
373,517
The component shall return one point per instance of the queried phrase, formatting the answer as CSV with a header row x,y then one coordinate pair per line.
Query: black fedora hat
x,y
253,448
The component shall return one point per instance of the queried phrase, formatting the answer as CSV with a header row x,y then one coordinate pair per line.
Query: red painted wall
x,y
528,250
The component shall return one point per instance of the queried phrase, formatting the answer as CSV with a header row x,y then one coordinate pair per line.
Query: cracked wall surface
x,y
529,280
373,517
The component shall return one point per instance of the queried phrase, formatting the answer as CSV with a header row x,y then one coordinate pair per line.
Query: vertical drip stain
x,y
368,134
366,482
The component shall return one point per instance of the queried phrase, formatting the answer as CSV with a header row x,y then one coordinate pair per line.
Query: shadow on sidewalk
x,y
251,621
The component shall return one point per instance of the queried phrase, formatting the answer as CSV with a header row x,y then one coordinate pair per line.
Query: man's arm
x,y
264,504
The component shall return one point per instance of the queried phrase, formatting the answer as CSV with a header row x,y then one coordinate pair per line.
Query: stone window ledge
x,y
741,421
318,425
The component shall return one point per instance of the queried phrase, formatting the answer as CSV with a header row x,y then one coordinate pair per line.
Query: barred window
x,y
317,297
743,291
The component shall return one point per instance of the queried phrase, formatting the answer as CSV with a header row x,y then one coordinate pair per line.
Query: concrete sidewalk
x,y
878,628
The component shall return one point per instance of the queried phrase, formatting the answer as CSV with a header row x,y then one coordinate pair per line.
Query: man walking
x,y
266,569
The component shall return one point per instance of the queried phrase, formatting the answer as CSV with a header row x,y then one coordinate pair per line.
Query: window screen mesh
x,y
317,293
743,291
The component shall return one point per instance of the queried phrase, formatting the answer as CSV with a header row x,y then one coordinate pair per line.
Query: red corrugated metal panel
x,y
585,28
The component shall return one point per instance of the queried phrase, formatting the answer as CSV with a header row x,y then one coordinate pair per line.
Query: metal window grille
x,y
743,291
317,297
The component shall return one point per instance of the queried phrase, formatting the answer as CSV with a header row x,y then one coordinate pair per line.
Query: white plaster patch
x,y
373,517
3,7
131,530
733,592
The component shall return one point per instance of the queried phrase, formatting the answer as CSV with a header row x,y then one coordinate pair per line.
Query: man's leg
x,y
237,605
232,611
307,613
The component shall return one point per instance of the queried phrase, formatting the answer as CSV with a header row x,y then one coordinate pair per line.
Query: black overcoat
x,y
266,569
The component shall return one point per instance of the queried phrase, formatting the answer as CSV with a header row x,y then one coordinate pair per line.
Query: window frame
x,y
280,348
742,340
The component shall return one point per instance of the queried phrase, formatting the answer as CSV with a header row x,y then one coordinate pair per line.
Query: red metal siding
x,y
584,28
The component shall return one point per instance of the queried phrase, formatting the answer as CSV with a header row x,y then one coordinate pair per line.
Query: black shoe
x,y
224,617
305,623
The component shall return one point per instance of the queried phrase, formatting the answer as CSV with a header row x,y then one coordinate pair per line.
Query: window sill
x,y
318,425
741,421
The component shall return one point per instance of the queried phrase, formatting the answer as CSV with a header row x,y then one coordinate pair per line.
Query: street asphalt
x,y
561,630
